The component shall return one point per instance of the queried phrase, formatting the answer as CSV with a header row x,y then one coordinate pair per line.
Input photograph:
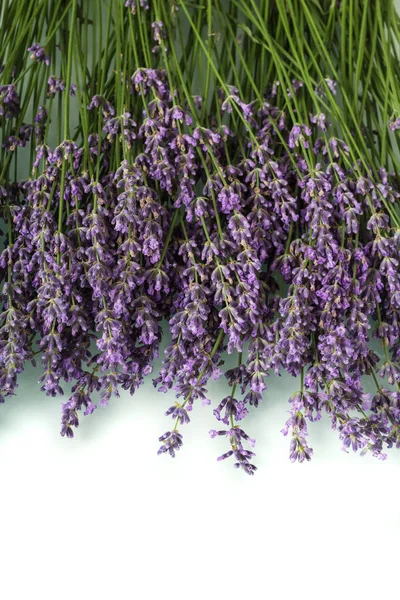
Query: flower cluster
x,y
253,231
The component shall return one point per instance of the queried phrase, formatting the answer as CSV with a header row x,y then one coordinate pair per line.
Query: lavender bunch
x,y
233,190
320,201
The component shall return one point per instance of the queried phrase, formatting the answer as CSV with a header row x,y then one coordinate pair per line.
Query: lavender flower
x,y
38,54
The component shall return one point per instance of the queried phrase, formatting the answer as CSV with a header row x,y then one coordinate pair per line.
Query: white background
x,y
102,516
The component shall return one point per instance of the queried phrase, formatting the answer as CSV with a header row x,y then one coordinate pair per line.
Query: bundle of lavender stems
x,y
224,172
